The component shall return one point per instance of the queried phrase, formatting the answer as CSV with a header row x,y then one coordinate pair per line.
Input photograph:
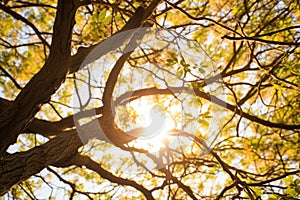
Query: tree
x,y
225,75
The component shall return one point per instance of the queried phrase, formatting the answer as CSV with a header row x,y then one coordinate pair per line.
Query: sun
x,y
153,124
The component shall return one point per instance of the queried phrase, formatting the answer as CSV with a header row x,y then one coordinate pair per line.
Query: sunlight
x,y
153,123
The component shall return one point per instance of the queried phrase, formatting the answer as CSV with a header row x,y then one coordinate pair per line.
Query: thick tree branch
x,y
45,82
171,90
14,168
134,22
18,167
80,58
107,123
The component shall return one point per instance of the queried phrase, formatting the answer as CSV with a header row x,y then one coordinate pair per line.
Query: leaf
x,y
201,70
296,70
107,19
102,15
180,72
203,122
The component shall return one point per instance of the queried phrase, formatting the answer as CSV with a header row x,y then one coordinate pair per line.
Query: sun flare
x,y
154,124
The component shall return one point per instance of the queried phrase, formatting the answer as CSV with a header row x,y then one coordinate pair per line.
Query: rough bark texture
x,y
18,167
45,82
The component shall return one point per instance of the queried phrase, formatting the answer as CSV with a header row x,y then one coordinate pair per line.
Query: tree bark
x,y
45,82
18,167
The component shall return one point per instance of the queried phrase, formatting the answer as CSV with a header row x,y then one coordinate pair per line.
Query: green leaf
x,y
180,72
107,19
102,15
203,122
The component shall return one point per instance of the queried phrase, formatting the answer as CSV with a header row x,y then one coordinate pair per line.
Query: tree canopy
x,y
184,99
